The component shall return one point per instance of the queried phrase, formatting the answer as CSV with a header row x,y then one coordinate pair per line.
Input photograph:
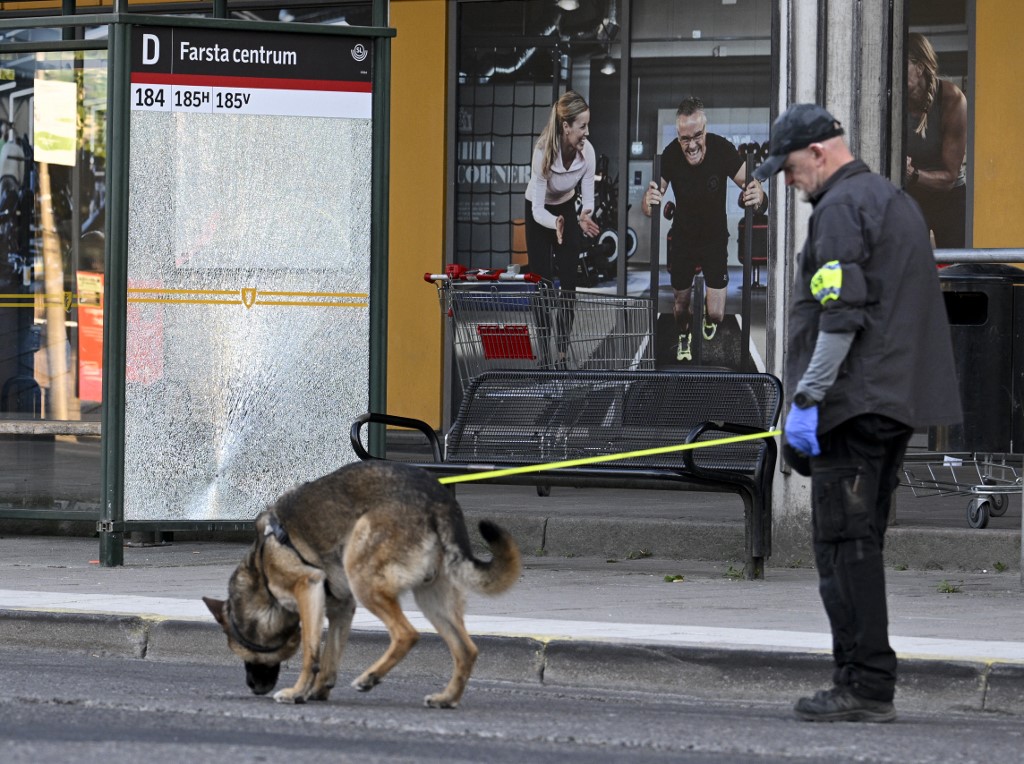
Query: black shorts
x,y
945,212
684,258
545,255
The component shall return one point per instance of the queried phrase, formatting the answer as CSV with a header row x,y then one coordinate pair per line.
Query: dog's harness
x,y
236,633
275,529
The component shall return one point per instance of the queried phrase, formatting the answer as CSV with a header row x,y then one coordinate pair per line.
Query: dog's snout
x,y
261,678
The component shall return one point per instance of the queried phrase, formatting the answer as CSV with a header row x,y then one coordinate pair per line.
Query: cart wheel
x,y
999,505
543,490
978,511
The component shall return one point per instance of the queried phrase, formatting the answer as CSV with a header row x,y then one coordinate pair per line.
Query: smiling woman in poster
x,y
562,158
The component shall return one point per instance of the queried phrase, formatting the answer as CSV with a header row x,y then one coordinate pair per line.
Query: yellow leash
x,y
605,458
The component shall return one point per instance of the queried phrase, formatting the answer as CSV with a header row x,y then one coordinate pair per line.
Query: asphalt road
x,y
60,707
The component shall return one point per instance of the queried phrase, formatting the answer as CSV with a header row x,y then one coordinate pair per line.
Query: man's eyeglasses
x,y
688,139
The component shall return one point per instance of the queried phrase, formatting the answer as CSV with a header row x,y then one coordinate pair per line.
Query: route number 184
x,y
149,97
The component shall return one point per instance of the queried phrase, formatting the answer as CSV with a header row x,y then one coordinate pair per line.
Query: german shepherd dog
x,y
369,532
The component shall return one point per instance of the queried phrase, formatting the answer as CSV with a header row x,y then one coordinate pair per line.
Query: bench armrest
x,y
355,433
720,426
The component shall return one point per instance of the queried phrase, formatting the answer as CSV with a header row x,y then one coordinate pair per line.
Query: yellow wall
x,y
416,233
998,116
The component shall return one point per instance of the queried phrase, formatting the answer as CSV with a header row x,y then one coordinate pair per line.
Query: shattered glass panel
x,y
248,319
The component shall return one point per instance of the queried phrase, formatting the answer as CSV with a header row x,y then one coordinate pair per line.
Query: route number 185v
x,y
230,100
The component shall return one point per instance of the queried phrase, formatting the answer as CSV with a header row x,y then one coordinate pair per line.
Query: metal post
x,y
655,266
115,300
67,8
698,294
748,266
376,436
220,9
622,224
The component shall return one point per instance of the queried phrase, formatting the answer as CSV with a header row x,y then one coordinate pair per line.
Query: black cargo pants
x,y
852,482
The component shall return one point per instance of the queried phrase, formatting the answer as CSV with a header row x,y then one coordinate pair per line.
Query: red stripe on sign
x,y
269,83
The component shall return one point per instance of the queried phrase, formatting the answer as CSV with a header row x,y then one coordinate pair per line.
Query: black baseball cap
x,y
797,128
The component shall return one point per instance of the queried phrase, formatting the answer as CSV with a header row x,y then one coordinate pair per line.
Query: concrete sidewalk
x,y
574,621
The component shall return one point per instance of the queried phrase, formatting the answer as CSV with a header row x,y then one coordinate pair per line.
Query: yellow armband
x,y
827,282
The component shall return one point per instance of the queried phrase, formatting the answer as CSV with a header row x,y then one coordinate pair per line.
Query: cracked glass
x,y
248,321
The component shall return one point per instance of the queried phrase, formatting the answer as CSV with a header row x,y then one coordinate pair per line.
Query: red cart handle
x,y
457,272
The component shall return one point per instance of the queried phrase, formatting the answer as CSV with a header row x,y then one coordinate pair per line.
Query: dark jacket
x,y
869,245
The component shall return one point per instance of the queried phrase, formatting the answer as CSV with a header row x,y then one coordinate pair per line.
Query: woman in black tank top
x,y
936,145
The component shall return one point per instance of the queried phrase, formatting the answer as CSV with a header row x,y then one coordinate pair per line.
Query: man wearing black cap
x,y
869,360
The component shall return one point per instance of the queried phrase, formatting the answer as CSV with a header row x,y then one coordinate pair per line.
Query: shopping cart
x,y
503,320
988,479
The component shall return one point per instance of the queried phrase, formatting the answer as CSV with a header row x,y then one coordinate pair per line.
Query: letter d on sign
x,y
150,49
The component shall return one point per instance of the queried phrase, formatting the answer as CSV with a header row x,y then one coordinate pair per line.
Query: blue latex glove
x,y
801,429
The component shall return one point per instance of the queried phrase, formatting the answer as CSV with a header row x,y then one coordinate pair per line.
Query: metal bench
x,y
516,418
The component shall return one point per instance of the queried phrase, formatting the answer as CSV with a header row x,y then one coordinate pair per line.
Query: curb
x,y
749,675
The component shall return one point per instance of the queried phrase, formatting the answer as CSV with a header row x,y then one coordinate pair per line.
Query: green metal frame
x,y
111,525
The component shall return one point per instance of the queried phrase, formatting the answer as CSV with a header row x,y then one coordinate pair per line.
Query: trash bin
x,y
985,303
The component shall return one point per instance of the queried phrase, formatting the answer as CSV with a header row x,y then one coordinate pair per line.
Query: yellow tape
x,y
605,458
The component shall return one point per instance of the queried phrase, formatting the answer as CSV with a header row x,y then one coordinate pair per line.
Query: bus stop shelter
x,y
216,296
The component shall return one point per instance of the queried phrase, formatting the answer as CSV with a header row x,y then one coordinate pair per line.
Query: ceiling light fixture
x,y
608,29
609,66
568,5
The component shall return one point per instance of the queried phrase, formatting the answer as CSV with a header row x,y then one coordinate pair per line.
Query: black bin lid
x,y
999,272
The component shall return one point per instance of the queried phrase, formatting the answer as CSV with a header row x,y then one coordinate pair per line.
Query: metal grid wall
x,y
498,124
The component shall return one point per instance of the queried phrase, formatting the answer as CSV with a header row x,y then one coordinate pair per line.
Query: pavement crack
x,y
984,676
144,639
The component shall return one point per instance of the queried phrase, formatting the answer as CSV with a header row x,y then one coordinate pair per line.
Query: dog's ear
x,y
216,607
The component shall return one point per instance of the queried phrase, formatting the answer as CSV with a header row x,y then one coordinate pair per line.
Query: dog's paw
x,y
321,693
366,682
289,696
439,701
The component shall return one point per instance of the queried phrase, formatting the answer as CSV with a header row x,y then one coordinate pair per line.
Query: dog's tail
x,y
501,571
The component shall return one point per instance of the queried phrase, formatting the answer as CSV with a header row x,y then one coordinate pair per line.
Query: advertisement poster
x,y
90,336
55,121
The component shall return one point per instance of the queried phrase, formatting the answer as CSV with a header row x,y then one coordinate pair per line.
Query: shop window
x,y
515,58
52,213
936,125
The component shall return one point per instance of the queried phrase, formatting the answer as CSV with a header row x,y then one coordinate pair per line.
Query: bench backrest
x,y
522,417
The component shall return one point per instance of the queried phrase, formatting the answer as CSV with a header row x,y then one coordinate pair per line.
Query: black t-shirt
x,y
700,190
